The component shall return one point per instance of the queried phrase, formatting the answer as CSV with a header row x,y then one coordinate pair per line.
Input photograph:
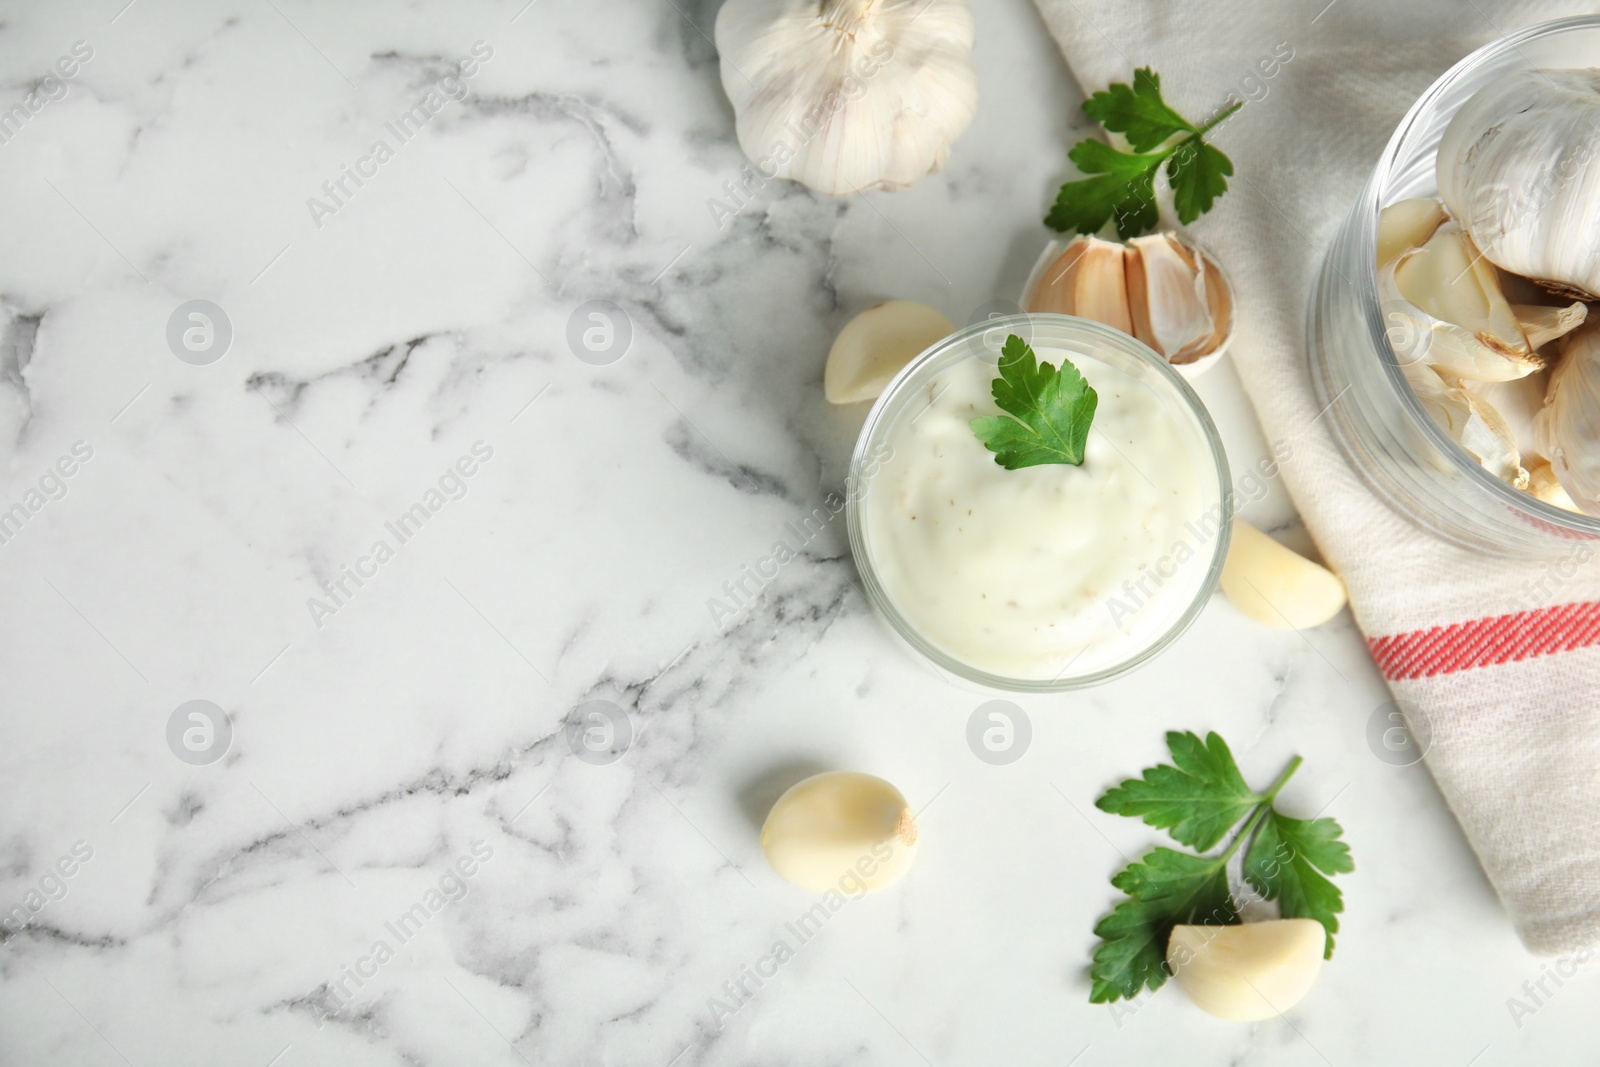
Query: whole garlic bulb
x,y
1517,167
1568,429
846,95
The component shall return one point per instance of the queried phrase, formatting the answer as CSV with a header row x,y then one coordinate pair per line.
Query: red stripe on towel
x,y
1486,642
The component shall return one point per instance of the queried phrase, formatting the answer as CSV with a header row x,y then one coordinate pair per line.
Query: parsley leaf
x,y
1052,411
1137,113
1198,801
1200,798
1121,185
1164,889
1283,865
1199,174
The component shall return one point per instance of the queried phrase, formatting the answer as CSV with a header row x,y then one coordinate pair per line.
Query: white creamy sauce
x,y
1047,570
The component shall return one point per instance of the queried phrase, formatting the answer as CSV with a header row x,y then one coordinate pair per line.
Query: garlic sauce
x,y
1047,570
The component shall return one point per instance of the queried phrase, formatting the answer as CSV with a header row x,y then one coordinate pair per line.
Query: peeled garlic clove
x,y
1250,972
841,831
876,344
1516,167
1407,224
1567,431
846,95
1276,586
1470,329
1542,324
1180,302
1543,483
1089,280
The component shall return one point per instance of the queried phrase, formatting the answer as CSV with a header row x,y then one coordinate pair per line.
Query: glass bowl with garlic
x,y
1454,331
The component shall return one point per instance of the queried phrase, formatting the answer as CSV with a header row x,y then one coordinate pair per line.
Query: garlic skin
x,y
874,346
842,831
1518,402
1158,288
1249,972
1277,586
1471,330
1472,421
1182,307
1542,324
1567,430
1445,307
1517,167
847,95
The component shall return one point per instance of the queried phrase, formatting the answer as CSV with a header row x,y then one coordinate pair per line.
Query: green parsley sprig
x,y
1199,798
1122,184
1051,410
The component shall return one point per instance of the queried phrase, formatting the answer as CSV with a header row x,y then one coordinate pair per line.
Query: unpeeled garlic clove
x,y
876,344
1158,288
1088,280
1518,401
1543,483
1250,972
1472,420
842,831
1277,586
1567,431
1452,297
1181,305
1542,323
1407,224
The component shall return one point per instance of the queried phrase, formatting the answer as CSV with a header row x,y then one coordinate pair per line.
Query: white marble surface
x,y
222,903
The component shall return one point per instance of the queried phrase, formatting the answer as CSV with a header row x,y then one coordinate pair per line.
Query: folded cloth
x,y
1501,662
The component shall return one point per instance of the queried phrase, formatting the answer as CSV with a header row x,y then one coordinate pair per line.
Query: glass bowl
x,y
1206,537
1382,428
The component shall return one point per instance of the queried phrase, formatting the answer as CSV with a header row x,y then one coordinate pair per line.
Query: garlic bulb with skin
x,y
1158,288
1445,306
1568,429
1517,167
846,95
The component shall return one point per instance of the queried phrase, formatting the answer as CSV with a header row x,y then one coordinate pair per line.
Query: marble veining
x,y
402,855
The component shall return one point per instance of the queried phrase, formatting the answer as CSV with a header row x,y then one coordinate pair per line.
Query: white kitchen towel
x,y
1502,660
